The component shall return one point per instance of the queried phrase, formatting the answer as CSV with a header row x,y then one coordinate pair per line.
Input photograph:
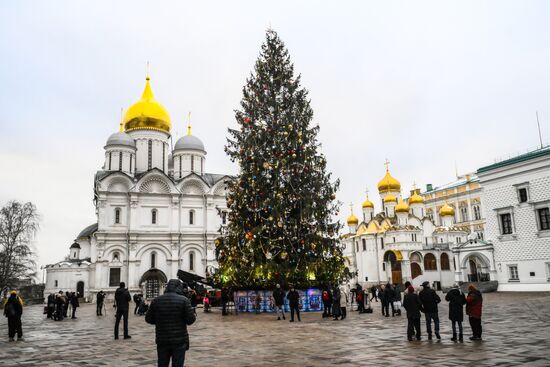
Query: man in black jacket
x,y
413,306
122,304
294,303
13,310
100,298
430,299
171,313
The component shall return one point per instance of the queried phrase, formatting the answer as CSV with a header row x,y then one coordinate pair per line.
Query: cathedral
x,y
157,210
402,243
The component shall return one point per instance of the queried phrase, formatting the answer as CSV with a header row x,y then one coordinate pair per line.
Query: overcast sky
x,y
425,84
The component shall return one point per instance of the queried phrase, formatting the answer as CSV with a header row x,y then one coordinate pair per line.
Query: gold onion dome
x,y
446,210
367,203
147,113
402,207
390,199
352,220
388,183
416,199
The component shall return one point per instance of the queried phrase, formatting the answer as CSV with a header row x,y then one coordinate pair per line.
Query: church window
x,y
415,257
544,218
116,256
56,283
445,262
477,212
356,246
192,261
117,216
506,223
120,161
192,163
153,259
383,266
180,157
110,159
191,217
150,154
163,157
513,274
382,243
131,161
429,262
154,216
371,214
364,244
522,195
393,239
464,213
114,277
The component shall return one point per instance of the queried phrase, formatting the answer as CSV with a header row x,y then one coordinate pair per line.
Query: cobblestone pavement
x,y
516,331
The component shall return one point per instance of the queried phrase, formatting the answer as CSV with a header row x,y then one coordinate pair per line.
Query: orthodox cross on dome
x,y
147,71
189,123
351,207
387,164
367,192
121,127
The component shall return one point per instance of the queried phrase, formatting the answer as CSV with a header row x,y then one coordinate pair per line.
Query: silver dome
x,y
121,139
189,142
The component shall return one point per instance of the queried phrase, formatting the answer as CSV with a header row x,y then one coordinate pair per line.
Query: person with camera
x,y
171,313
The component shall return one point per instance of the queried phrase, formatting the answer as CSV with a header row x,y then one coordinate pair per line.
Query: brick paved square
x,y
516,332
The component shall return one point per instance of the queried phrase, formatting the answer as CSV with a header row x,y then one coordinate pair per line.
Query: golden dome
x,y
367,203
390,199
352,220
402,207
416,199
388,183
147,113
447,210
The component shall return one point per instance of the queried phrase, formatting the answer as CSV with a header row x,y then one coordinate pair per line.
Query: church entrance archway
x,y
394,259
477,269
152,281
416,270
80,289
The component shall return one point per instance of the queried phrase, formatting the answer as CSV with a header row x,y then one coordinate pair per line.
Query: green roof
x,y
520,158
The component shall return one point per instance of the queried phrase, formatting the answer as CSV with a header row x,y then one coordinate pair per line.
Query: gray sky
x,y
424,84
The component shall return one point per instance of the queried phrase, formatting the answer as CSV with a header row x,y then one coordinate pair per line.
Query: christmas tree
x,y
282,201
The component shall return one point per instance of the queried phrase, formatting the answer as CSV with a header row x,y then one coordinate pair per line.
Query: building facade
x,y
157,210
402,243
516,196
464,195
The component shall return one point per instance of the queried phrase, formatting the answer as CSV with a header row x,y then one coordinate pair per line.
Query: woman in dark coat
x,y
336,312
411,303
456,300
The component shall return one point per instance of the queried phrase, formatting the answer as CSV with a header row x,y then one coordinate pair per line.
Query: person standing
x,y
456,300
360,298
294,302
396,300
51,306
326,296
67,303
389,298
74,304
13,310
430,299
336,295
138,298
122,304
59,306
225,299
99,303
171,313
279,300
383,301
413,306
474,304
343,302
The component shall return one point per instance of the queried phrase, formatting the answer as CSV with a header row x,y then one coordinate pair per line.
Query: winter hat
x,y
410,289
13,292
426,284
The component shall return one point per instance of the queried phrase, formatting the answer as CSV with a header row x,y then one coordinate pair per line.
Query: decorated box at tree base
x,y
246,301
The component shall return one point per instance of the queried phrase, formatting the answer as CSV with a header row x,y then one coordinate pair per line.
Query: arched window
x,y
191,261
415,257
191,217
154,216
364,244
477,212
153,259
464,213
116,256
429,262
445,262
117,216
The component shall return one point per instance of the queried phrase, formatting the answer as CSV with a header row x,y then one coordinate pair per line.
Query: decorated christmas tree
x,y
282,202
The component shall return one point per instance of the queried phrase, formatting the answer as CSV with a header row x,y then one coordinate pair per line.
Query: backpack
x,y
325,296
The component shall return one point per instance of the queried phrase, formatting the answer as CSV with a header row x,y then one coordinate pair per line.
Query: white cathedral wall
x,y
528,249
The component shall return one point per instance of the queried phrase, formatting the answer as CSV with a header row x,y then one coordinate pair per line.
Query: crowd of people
x,y
58,305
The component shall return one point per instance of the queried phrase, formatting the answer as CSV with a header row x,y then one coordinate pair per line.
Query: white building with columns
x,y
401,243
157,210
516,196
